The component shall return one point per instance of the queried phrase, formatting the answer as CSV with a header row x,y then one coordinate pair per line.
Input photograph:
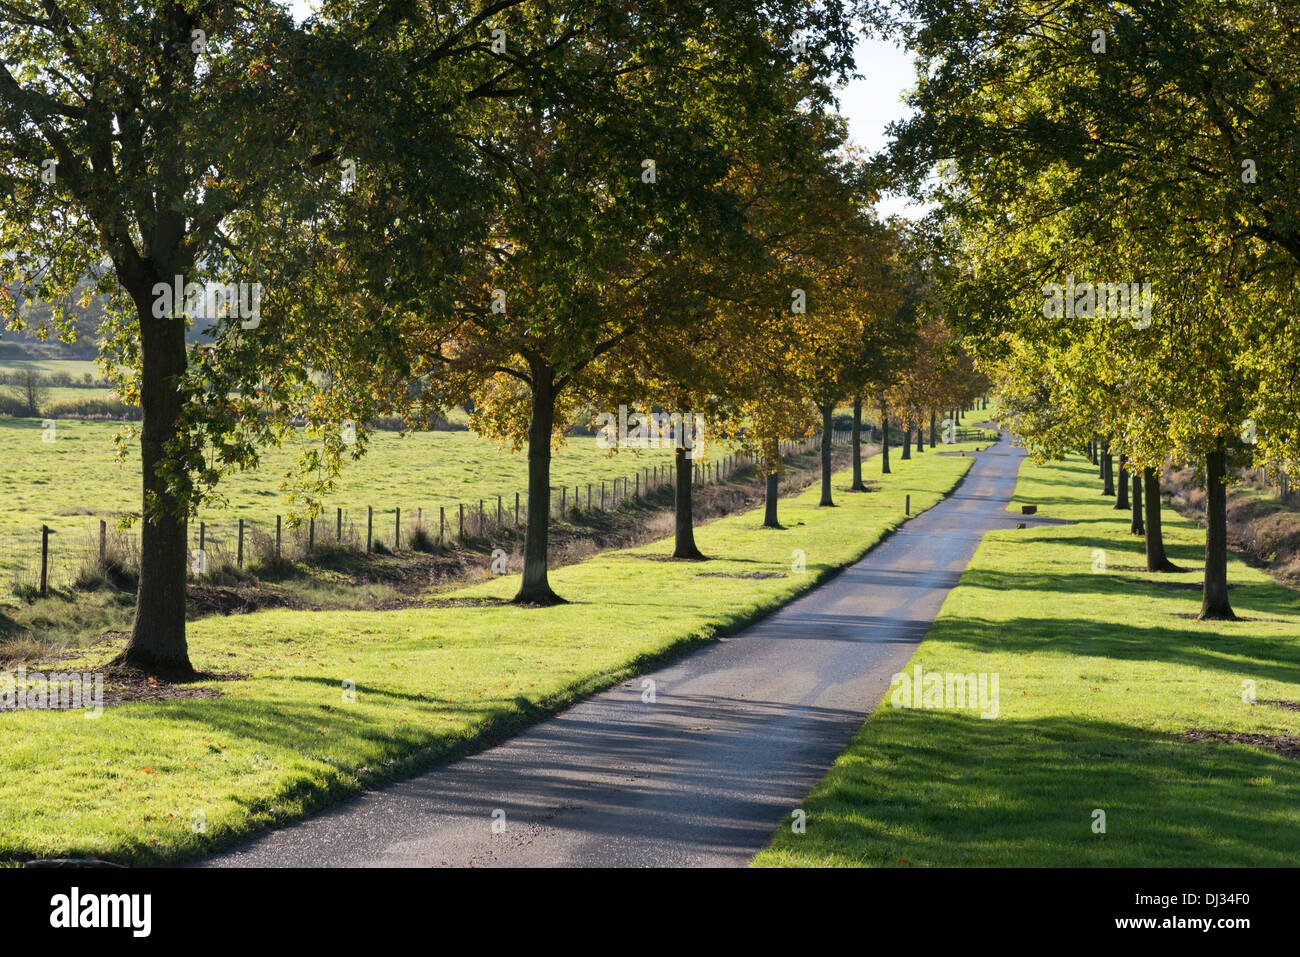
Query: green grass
x,y
76,368
431,683
1099,680
72,482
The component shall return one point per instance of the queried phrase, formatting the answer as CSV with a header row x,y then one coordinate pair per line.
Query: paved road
x,y
738,734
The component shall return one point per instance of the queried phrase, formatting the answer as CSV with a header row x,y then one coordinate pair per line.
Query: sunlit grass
x,y
1100,676
430,683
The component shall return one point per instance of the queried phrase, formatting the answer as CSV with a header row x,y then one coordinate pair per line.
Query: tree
x,y
612,169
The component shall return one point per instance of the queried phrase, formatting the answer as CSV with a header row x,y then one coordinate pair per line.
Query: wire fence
x,y
47,557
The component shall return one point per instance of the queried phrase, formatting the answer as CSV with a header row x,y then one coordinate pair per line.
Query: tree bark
x,y
683,517
157,642
535,589
920,440
884,438
1157,560
1121,499
772,486
1107,469
828,412
1135,526
933,427
1214,600
857,485
907,440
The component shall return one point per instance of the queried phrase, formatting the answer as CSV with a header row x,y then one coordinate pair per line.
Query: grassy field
x,y
430,683
72,482
76,368
1102,675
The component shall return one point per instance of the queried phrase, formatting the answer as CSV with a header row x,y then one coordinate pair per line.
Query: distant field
x,y
76,368
72,482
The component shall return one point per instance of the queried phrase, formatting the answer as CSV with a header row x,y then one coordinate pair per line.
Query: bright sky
x,y
869,104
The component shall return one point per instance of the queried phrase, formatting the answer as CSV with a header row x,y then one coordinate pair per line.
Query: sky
x,y
869,104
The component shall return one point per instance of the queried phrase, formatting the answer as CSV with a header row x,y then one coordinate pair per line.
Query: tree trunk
x,y
857,485
920,440
157,640
1157,561
1214,600
907,440
1121,499
1107,469
828,412
884,438
684,520
772,486
535,589
1135,526
933,427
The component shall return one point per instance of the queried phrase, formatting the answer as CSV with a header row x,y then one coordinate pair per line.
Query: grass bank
x,y
1112,698
162,781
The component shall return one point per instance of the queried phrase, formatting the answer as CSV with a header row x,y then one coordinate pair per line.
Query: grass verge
x,y
1107,690
163,781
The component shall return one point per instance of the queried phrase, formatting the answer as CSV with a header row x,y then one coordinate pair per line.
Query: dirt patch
x,y
233,600
467,602
1168,586
1143,568
51,690
1287,745
1196,616
1284,705
742,575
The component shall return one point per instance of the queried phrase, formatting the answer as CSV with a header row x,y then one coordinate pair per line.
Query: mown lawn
x,y
430,683
1101,676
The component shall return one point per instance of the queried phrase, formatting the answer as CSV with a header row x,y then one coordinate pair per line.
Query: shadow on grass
x,y
947,788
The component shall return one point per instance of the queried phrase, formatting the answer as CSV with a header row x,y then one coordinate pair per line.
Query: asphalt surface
x,y
737,734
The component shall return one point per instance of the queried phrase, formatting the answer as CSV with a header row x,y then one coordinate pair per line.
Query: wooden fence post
x,y
103,543
397,530
277,536
45,559
239,559
370,528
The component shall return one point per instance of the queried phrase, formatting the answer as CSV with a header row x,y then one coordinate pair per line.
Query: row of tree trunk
x,y
1144,506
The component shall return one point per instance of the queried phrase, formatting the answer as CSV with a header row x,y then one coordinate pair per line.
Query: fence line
x,y
52,558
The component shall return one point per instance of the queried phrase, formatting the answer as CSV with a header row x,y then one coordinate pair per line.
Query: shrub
x,y
93,409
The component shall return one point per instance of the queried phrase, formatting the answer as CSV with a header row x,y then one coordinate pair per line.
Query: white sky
x,y
868,104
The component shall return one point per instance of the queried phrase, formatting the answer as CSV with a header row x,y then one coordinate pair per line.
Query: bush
x,y
114,574
93,409
422,541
